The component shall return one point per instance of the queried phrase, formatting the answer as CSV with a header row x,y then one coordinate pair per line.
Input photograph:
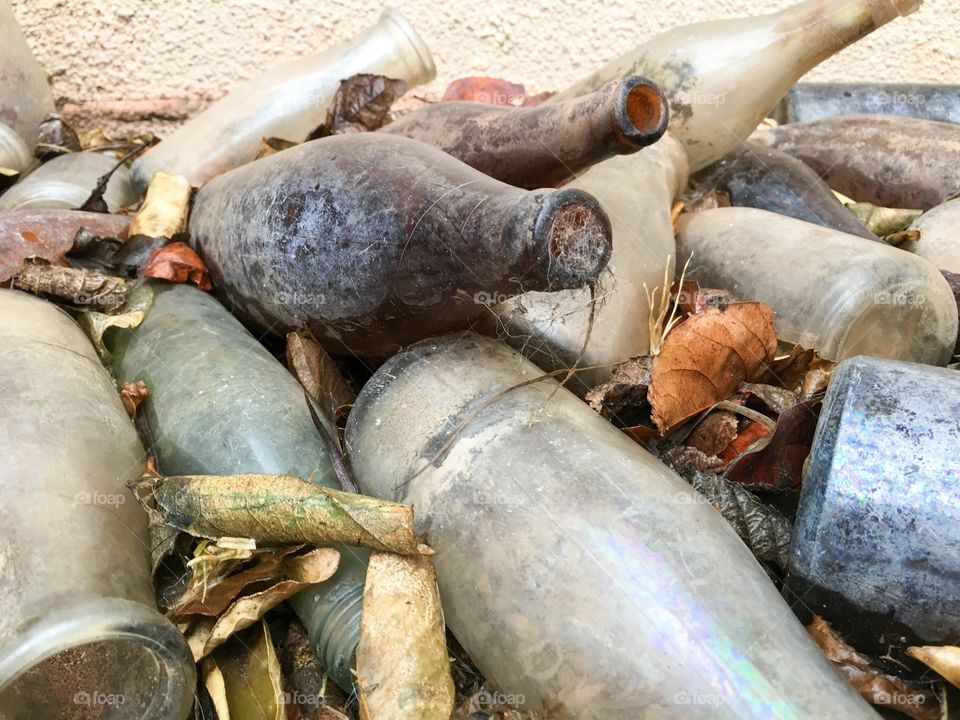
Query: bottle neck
x,y
828,26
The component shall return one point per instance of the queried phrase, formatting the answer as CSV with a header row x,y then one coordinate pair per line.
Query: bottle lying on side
x,y
80,628
888,161
763,177
722,77
876,534
938,243
26,95
835,293
637,192
220,404
816,101
67,182
542,146
288,102
581,574
375,241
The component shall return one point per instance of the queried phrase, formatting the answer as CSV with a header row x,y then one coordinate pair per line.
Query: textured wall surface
x,y
151,63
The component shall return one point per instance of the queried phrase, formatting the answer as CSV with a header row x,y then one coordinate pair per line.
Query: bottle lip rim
x,y
399,22
16,147
92,620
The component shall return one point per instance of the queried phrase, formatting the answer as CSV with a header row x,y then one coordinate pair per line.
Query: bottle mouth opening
x,y
15,154
399,23
105,657
577,235
641,112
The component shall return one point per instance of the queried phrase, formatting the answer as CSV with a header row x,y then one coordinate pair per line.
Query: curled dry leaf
x,y
96,324
362,103
490,90
39,234
318,374
272,145
298,572
751,433
252,688
682,459
80,288
763,528
780,461
403,670
943,660
281,509
802,372
775,398
132,394
626,388
875,687
706,358
165,207
177,262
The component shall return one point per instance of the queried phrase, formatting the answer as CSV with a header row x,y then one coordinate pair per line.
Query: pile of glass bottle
x,y
578,571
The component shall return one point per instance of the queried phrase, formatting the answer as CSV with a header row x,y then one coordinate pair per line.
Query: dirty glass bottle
x,y
722,77
939,243
80,635
542,146
26,96
895,162
875,547
374,241
763,177
637,193
221,404
287,102
67,181
815,101
580,573
835,293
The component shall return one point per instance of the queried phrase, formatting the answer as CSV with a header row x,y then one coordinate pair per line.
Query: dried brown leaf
x,y
626,388
177,262
714,432
280,509
361,104
252,685
318,374
81,288
403,670
943,660
682,458
776,398
272,145
316,566
165,207
707,357
490,90
132,394
780,461
873,685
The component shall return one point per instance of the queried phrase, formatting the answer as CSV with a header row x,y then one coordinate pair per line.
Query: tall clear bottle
x,y
637,193
838,294
221,404
722,77
26,96
288,102
580,573
80,634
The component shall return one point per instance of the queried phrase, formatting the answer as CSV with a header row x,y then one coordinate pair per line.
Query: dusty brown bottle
x,y
545,145
374,241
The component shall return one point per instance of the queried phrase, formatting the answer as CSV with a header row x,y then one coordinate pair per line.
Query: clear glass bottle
x,y
287,102
26,95
938,236
838,294
815,101
637,192
374,241
876,547
542,146
722,77
220,404
580,573
80,634
67,181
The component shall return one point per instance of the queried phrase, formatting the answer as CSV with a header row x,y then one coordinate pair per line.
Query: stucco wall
x,y
150,63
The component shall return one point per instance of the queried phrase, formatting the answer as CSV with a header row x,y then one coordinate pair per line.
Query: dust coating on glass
x,y
815,101
939,242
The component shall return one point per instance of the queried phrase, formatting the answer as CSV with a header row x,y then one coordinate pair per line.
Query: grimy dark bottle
x,y
542,146
374,241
